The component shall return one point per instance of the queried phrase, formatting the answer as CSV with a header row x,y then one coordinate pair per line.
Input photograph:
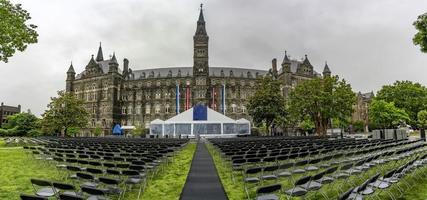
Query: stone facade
x,y
361,108
5,111
136,97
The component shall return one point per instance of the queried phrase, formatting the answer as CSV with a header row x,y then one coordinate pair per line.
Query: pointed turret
x,y
99,56
286,59
201,28
91,61
71,74
326,70
286,64
306,61
113,59
71,69
113,66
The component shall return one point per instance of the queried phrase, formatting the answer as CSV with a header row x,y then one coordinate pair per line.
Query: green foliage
x,y
340,123
63,112
422,118
385,114
358,126
73,131
4,132
15,33
322,99
139,131
21,124
406,95
420,38
97,131
267,104
306,125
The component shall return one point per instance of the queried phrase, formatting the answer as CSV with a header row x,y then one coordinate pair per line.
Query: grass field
x,y
16,169
235,189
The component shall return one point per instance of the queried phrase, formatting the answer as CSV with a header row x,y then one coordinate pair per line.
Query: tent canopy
x,y
187,116
200,120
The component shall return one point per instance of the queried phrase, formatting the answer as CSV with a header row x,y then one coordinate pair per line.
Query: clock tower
x,y
200,56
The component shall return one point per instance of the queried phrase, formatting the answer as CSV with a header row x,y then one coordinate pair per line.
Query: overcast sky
x,y
369,43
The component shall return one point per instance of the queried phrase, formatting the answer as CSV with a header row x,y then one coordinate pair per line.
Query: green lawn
x,y
16,169
235,189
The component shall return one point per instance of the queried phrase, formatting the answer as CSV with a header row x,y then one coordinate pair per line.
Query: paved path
x,y
203,182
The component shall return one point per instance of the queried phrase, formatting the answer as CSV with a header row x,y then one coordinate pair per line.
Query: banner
x,y
223,99
187,97
177,98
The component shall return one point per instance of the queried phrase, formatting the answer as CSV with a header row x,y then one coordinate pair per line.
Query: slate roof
x,y
188,71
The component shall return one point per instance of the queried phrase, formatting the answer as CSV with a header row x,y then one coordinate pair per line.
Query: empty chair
x,y
88,178
43,188
133,178
31,197
346,194
113,185
267,192
268,173
94,193
70,197
64,188
298,190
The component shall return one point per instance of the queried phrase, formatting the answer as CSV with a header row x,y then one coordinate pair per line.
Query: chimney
x,y
274,66
125,65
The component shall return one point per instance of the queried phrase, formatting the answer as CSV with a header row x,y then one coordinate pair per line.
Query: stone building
x,y
5,111
361,108
136,97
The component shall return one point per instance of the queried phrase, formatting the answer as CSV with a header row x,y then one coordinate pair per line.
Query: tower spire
x,y
71,68
326,70
201,29
99,56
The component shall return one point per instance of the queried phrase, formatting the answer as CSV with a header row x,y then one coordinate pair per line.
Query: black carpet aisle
x,y
203,182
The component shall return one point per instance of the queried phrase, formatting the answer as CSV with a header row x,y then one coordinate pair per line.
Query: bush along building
x,y
136,97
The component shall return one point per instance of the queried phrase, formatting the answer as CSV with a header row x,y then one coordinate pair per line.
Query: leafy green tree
x,y
15,33
420,38
139,131
267,104
406,95
322,99
73,131
21,124
306,125
358,126
422,118
65,111
97,131
386,114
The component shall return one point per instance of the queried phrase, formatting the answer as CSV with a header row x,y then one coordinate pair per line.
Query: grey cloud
x,y
366,42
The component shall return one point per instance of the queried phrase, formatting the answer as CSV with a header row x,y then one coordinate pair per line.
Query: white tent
x,y
216,125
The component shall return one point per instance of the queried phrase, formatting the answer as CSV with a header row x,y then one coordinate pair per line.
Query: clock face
x,y
200,52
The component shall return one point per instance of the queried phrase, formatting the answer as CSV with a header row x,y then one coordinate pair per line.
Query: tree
x,y
21,124
386,114
322,99
15,33
306,125
97,131
267,104
65,111
406,95
73,131
139,131
420,38
422,118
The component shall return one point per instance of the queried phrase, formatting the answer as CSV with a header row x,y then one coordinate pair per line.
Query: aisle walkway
x,y
203,182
